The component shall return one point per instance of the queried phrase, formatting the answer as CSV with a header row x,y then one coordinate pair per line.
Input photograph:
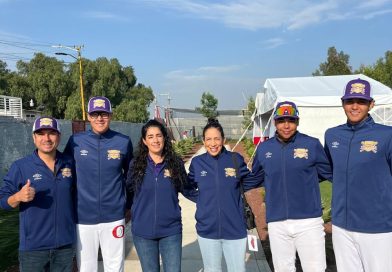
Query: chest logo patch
x,y
369,146
203,173
37,176
114,154
66,172
83,152
268,155
166,173
335,144
230,172
301,153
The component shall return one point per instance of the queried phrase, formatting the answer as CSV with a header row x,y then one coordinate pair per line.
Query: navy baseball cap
x,y
46,123
357,88
99,103
286,109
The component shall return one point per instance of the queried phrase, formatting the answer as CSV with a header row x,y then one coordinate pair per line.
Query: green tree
x,y
381,70
248,114
336,64
134,107
4,75
48,82
209,105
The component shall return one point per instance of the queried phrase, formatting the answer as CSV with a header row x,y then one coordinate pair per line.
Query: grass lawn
x,y
9,238
326,196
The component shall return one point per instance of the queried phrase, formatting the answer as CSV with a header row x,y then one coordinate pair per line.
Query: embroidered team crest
x,y
230,172
301,153
46,122
357,88
66,172
166,173
335,144
203,173
99,103
37,176
114,154
369,146
268,155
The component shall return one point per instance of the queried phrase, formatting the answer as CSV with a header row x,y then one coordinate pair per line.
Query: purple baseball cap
x,y
99,103
357,88
286,109
46,123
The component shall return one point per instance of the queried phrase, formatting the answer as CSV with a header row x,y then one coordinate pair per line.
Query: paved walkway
x,y
191,256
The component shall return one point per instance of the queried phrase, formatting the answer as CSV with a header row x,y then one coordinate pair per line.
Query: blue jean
x,y
233,250
58,260
170,249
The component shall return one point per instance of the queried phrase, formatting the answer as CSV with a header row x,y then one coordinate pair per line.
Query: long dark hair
x,y
213,123
172,162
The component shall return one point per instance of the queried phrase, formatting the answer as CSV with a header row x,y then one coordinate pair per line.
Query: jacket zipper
x,y
284,179
347,165
99,177
219,199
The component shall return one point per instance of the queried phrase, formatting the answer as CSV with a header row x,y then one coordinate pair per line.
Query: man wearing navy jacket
x,y
290,166
41,185
361,154
102,157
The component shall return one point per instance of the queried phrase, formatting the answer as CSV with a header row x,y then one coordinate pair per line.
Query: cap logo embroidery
x,y
301,153
46,122
203,173
268,155
114,154
357,88
369,146
99,103
230,172
166,173
66,172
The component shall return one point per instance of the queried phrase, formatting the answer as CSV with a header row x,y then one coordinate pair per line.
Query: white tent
x,y
318,101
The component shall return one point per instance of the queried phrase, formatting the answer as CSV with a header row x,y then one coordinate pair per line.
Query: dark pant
x,y
170,249
57,260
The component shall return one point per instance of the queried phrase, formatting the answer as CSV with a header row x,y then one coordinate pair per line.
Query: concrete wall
x,y
16,140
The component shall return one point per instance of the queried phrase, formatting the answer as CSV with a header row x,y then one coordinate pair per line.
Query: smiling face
x,y
286,127
99,121
213,141
356,109
46,141
154,141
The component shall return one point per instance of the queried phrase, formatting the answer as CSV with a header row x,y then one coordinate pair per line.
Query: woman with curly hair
x,y
155,177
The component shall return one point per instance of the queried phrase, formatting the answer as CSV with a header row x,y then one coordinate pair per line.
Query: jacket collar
x,y
106,135
365,123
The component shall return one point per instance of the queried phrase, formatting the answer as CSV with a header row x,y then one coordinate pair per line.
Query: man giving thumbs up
x,y
41,185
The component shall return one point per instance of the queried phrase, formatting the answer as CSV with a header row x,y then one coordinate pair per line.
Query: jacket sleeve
x,y
11,185
192,189
129,185
255,178
68,150
323,166
328,155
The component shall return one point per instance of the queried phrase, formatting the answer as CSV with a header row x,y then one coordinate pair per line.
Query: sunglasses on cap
x,y
286,111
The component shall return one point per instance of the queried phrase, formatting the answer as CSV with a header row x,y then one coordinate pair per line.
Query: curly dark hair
x,y
172,161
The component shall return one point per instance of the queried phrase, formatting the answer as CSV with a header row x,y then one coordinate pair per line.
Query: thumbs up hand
x,y
27,193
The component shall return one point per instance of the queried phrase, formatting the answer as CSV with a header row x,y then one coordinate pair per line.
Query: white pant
x,y
110,236
303,235
359,252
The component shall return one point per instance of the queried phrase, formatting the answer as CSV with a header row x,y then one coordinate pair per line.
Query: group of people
x,y
76,201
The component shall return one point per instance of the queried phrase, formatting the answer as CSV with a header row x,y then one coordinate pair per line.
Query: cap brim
x,y
282,117
99,110
47,128
357,97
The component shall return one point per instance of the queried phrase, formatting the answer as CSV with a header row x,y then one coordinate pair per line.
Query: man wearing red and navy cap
x,y
361,154
290,166
41,185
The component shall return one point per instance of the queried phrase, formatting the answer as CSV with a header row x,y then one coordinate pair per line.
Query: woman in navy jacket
x,y
155,177
220,220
